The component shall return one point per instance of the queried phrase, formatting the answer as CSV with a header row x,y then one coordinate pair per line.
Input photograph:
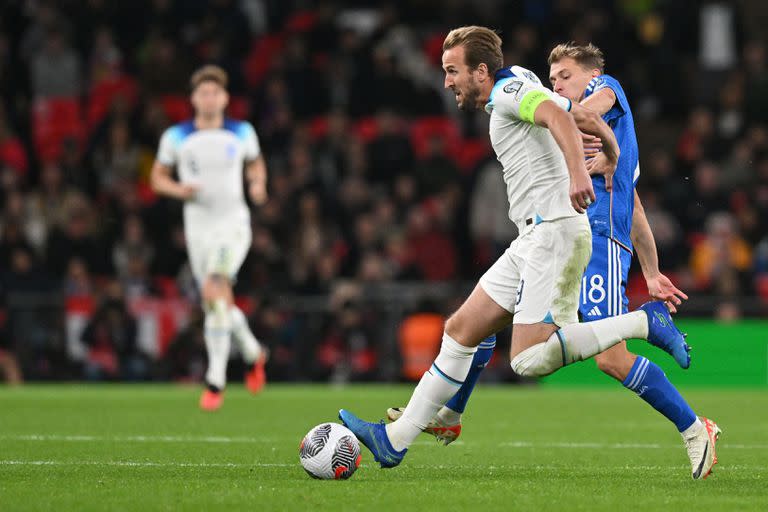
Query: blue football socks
x,y
651,384
480,360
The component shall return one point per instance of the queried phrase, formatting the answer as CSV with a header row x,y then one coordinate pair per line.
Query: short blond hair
x,y
209,73
587,56
481,45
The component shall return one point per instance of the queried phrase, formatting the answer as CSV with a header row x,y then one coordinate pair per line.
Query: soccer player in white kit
x,y
535,284
209,153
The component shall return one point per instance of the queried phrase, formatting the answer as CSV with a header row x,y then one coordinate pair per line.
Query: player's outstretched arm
x,y
163,184
256,177
563,128
659,285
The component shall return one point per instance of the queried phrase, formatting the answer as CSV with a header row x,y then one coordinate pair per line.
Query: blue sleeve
x,y
621,106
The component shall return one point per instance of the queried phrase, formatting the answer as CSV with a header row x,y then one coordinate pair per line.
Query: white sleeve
x,y
518,99
252,147
166,152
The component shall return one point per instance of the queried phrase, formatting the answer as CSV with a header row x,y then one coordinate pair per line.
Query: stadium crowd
x,y
373,175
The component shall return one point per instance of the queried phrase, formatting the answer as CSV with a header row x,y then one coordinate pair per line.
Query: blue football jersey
x,y
611,213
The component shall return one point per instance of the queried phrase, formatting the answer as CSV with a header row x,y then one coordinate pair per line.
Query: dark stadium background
x,y
386,203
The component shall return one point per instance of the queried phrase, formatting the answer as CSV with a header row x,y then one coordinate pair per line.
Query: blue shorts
x,y
604,285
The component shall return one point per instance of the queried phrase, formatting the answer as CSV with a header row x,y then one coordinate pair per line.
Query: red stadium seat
x,y
53,121
246,304
239,107
167,287
425,128
433,48
301,21
176,108
259,59
104,93
318,127
469,153
366,129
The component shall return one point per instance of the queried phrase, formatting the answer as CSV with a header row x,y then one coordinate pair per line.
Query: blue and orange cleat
x,y
374,437
663,333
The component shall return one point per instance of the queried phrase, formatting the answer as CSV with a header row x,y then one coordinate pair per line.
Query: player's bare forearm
x,y
567,136
590,122
162,184
643,241
600,102
563,129
256,177
256,171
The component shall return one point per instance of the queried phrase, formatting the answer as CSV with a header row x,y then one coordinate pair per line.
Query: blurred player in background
x,y
618,225
536,282
209,153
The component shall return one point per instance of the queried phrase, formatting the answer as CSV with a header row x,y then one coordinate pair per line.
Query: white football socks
x,y
218,326
585,340
435,388
693,430
249,345
577,342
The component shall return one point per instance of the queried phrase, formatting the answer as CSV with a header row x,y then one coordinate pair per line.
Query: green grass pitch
x,y
147,448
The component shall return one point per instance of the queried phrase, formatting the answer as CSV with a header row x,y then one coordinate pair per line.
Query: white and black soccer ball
x,y
330,452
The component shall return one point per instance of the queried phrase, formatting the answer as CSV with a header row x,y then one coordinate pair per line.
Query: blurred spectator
x,y
133,246
118,161
707,195
111,339
435,170
51,204
719,260
56,69
695,142
390,153
106,60
347,350
184,360
77,281
489,223
430,249
76,238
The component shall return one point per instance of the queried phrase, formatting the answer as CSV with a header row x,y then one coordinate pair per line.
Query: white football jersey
x,y
535,173
213,160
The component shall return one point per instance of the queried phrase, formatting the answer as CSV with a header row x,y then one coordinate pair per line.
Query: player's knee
x,y
614,364
454,327
536,361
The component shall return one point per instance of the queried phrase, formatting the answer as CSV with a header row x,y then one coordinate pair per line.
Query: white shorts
x,y
218,251
538,278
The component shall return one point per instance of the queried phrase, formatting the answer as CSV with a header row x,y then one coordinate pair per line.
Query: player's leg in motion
x,y
446,425
538,348
223,319
218,328
603,292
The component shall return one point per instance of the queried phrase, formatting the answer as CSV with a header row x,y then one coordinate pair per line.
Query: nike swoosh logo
x,y
703,459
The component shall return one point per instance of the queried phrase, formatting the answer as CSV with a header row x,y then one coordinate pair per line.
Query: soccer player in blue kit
x,y
619,226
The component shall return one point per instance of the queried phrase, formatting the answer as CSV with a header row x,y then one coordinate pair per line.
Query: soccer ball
x,y
330,452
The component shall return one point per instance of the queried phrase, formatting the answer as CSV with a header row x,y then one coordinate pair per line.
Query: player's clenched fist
x,y
581,192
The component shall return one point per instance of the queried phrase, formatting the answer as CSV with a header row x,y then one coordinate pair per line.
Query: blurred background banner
x,y
386,202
